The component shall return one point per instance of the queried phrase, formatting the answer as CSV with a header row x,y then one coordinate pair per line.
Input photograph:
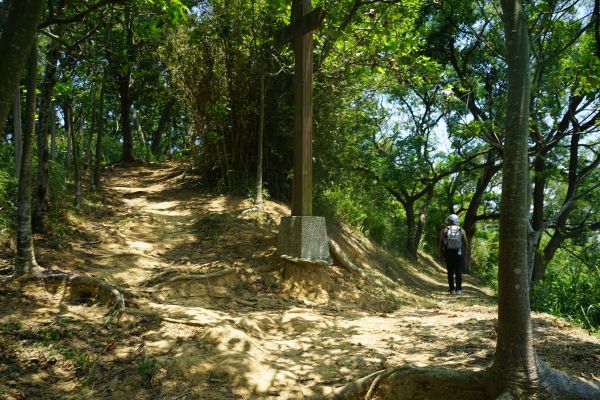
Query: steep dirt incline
x,y
210,315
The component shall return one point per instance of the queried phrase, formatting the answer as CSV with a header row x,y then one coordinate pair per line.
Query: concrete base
x,y
303,240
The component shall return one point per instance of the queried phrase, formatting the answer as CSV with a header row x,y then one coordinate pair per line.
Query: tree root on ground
x,y
196,277
84,288
563,386
408,382
413,382
159,279
342,260
184,322
306,262
81,289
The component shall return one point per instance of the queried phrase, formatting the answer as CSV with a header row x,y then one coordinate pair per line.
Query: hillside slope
x,y
211,315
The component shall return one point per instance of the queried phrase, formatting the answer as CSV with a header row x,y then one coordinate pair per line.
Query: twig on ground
x,y
184,321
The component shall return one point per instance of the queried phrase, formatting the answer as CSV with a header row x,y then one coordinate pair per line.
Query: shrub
x,y
569,289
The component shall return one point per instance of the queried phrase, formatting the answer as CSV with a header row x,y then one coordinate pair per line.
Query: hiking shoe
x,y
457,292
451,291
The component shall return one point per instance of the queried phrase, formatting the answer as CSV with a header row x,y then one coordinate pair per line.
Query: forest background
x,y
409,104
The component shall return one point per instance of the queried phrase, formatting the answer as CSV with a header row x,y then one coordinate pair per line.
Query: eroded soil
x,y
253,332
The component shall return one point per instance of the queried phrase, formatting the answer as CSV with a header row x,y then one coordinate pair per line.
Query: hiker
x,y
453,246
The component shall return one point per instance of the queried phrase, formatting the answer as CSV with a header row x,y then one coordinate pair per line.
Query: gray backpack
x,y
453,238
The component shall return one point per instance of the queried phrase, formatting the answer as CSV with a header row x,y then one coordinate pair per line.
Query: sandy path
x,y
293,350
244,335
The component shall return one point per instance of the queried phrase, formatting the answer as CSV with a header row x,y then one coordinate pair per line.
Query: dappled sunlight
x,y
212,312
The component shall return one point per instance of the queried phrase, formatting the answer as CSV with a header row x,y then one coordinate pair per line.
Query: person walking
x,y
452,246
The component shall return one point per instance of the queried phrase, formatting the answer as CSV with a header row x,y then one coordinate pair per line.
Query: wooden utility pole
x,y
304,21
303,237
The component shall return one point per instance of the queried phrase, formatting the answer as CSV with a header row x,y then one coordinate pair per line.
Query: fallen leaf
x,y
110,345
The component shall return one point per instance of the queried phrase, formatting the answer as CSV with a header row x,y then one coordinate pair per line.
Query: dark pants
x,y
454,263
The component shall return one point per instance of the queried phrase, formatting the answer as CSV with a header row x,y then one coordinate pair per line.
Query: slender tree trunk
x,y
515,363
470,219
68,133
52,132
537,222
42,201
165,117
16,41
411,230
422,220
76,156
261,129
25,262
90,133
124,92
99,136
140,132
18,137
597,26
170,141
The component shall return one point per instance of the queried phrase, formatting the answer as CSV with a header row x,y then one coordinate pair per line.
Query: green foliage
x,y
484,256
8,192
85,363
148,367
54,332
112,150
570,289
251,194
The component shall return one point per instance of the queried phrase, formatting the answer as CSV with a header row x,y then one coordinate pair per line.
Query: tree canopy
x,y
415,118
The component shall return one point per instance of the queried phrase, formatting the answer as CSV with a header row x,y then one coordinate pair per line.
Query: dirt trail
x,y
248,334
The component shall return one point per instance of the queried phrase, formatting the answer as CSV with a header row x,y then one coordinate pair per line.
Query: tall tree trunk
x,y
42,201
124,92
18,136
99,135
90,132
170,140
422,219
165,117
140,132
68,133
544,256
76,156
515,363
16,41
52,122
597,26
470,220
25,263
261,130
411,230
537,221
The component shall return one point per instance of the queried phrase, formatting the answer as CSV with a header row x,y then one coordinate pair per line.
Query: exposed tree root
x,y
158,279
415,383
562,386
257,209
184,322
196,277
342,259
304,261
83,288
356,390
79,289
435,383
